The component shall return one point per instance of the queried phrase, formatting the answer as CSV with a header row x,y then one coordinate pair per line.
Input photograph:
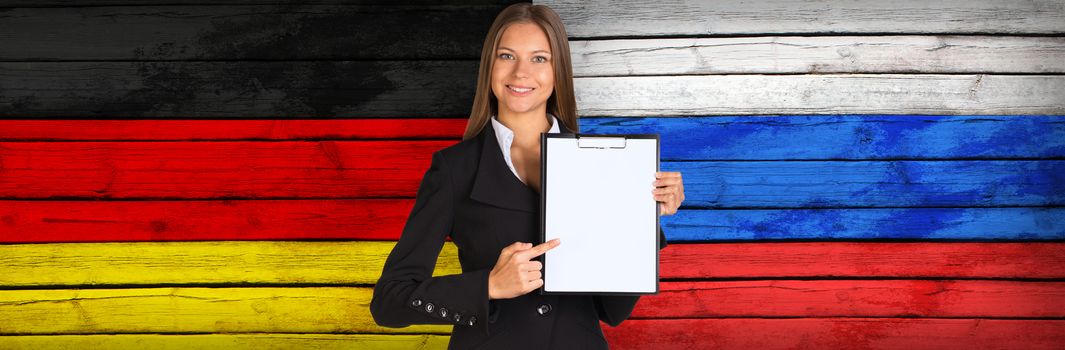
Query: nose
x,y
522,70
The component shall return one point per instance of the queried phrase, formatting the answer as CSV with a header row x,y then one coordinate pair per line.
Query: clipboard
x,y
595,194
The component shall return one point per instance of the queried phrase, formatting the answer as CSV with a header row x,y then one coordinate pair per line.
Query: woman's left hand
x,y
668,191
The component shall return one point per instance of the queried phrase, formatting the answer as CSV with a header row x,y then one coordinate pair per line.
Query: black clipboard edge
x,y
543,209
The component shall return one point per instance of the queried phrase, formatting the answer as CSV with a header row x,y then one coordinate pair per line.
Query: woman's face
x,y
522,74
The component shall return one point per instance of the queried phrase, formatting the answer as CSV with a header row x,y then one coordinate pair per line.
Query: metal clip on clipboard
x,y
601,142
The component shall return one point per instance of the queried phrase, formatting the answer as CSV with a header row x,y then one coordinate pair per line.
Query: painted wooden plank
x,y
360,169
192,220
195,310
822,184
821,54
227,262
821,94
295,262
227,341
239,89
229,130
683,138
383,219
644,18
846,136
871,260
334,169
345,309
855,298
867,224
837,333
285,32
73,3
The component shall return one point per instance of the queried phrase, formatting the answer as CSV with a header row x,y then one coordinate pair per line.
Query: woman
x,y
484,193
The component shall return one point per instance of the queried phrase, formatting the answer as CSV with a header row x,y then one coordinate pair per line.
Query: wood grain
x,y
584,19
928,224
854,137
240,169
230,130
848,184
292,262
683,138
831,54
192,220
227,341
237,89
290,31
195,310
837,333
855,298
383,219
820,94
226,262
1030,260
372,169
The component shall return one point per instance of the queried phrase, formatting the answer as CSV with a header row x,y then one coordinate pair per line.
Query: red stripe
x,y
268,129
854,259
93,221
836,333
196,170
855,298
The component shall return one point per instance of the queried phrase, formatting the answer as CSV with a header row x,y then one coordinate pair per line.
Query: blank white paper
x,y
599,202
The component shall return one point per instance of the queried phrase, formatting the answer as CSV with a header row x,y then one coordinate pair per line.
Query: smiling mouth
x,y
520,90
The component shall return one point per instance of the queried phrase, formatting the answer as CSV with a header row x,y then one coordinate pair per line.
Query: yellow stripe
x,y
194,310
201,262
227,341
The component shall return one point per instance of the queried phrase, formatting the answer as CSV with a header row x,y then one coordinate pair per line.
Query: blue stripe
x,y
846,136
860,224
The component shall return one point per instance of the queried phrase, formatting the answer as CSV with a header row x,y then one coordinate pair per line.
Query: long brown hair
x,y
562,103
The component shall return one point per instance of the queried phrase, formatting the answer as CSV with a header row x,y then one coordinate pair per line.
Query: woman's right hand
x,y
514,275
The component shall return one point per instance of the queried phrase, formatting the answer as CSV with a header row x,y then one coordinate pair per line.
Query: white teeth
x,y
520,90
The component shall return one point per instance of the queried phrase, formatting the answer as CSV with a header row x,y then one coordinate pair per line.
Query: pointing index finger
x,y
538,250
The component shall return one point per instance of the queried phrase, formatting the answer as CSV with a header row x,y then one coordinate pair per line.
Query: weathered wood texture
x,y
821,54
853,137
222,129
855,298
250,89
372,169
195,310
346,263
299,310
725,334
585,19
244,169
383,219
821,94
293,31
210,262
254,341
837,333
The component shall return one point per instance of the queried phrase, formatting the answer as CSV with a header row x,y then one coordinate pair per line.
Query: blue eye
x,y
506,56
539,59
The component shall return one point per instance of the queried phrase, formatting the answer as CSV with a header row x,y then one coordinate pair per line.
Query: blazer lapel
x,y
495,184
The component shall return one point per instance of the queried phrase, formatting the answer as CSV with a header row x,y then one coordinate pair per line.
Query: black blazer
x,y
470,194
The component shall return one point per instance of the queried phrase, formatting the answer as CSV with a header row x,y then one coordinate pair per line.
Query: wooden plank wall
x,y
232,174
838,157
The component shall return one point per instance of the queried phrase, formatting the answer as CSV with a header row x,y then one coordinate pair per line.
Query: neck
x,y
526,126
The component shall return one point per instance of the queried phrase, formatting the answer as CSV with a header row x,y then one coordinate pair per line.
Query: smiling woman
x,y
483,193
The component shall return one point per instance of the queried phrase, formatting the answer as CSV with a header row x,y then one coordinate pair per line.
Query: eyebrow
x,y
510,49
